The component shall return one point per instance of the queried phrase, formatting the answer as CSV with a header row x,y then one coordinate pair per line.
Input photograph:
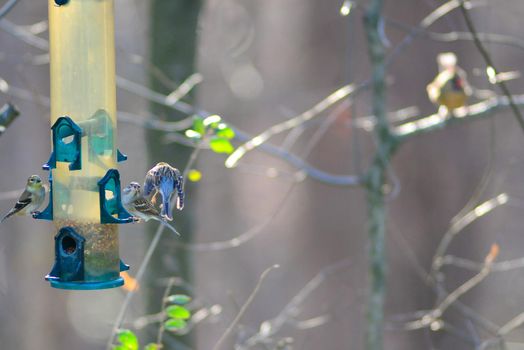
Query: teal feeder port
x,y
67,144
69,270
111,209
67,140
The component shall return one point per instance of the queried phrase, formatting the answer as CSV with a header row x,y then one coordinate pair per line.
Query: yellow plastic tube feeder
x,y
85,184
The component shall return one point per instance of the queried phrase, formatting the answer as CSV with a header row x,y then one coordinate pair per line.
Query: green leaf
x,y
212,119
119,347
225,131
175,324
198,125
192,134
194,176
128,339
152,346
180,299
176,311
221,145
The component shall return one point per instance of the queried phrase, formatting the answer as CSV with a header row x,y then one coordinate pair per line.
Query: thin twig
x,y
337,96
514,323
426,22
8,6
434,315
244,307
487,38
438,289
502,266
139,275
458,225
289,313
489,62
184,88
162,327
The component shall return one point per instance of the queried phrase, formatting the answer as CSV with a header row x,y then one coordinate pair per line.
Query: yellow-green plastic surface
x,y
82,60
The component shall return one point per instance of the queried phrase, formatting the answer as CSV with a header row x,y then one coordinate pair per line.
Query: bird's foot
x,y
167,218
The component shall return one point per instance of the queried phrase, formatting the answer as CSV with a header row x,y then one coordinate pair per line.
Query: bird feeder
x,y
84,182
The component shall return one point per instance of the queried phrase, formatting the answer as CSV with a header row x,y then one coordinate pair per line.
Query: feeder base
x,y
87,285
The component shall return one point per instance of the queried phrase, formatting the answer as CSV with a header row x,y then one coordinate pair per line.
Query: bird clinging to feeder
x,y
137,205
165,179
140,207
30,200
450,89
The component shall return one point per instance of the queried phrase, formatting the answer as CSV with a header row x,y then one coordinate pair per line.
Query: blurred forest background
x,y
263,62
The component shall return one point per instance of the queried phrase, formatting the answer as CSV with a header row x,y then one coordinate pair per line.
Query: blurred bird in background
x,y
30,200
140,207
166,180
450,88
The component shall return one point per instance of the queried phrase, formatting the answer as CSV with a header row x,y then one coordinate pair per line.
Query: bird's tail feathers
x,y
180,202
9,214
166,213
166,224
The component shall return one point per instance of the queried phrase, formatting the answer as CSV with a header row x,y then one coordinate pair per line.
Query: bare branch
x,y
291,311
458,225
432,318
435,122
467,264
244,307
8,6
184,88
489,62
289,124
24,35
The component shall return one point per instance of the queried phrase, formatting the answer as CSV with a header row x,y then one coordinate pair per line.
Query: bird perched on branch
x,y
166,180
30,200
140,207
450,88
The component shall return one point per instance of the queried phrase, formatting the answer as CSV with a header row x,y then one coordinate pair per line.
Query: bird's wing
x,y
463,76
144,206
179,185
25,199
149,183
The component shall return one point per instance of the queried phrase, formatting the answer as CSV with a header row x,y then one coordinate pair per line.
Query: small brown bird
x,y
167,181
140,207
30,200
450,88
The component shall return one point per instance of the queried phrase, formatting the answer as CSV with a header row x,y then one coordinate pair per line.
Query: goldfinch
x,y
450,87
30,200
